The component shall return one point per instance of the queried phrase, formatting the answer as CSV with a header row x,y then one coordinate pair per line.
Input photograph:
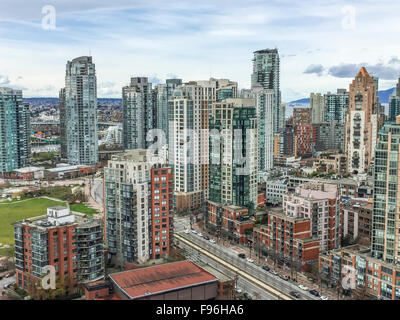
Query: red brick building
x,y
162,211
68,241
302,116
229,221
287,236
306,139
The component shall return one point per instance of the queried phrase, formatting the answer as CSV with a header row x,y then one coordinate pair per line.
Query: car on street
x,y
241,255
250,260
194,231
187,231
238,290
273,272
200,234
248,296
206,238
10,274
6,286
303,287
295,294
314,293
212,241
324,298
284,277
265,268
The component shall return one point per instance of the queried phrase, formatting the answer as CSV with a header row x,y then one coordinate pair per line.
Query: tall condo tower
x,y
80,103
15,142
266,74
362,122
137,110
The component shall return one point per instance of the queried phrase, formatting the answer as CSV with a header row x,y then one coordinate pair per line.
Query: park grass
x,y
17,211
83,208
7,252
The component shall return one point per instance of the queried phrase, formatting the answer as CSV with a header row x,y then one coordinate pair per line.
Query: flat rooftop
x,y
159,279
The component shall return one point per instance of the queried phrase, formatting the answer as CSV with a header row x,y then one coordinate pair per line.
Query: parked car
x,y
324,298
248,296
200,234
314,293
273,272
303,287
284,277
187,231
295,294
212,241
6,286
265,268
238,290
206,238
10,274
250,260
241,255
194,231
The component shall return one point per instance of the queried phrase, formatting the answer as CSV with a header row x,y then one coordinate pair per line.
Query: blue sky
x,y
321,43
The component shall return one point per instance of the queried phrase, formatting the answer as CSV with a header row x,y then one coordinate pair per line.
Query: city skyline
x,y
321,44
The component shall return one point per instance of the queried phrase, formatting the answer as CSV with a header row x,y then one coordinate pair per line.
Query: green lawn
x,y
83,208
13,212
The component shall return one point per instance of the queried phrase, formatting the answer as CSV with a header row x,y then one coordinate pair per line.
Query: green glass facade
x,y
14,130
386,210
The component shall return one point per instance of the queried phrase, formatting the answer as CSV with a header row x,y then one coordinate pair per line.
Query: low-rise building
x,y
331,163
68,172
353,268
287,237
275,189
182,280
229,221
357,218
28,173
71,242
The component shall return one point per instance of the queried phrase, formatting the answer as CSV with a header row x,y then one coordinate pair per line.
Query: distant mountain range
x,y
54,101
383,97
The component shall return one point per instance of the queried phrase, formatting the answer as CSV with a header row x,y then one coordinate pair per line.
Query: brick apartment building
x,y
229,221
309,222
138,206
162,203
306,139
371,276
357,219
287,237
302,116
69,241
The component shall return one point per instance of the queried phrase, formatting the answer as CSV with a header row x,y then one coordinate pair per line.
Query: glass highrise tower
x,y
386,210
14,130
80,113
266,74
137,110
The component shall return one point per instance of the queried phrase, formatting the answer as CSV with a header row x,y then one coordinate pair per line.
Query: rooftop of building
x,y
280,213
66,217
83,59
317,191
266,51
358,203
240,102
66,168
160,279
29,169
136,155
